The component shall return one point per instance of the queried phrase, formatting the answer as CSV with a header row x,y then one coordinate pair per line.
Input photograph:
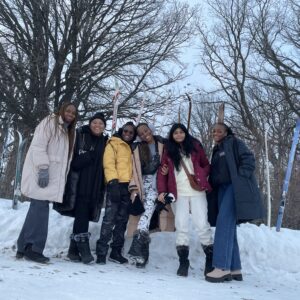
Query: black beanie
x,y
98,115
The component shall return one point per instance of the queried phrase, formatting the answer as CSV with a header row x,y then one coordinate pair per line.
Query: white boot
x,y
218,275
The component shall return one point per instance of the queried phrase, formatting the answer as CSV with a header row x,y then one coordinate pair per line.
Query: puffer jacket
x,y
117,160
49,147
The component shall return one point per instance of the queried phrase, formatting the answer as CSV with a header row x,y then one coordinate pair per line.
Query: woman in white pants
x,y
184,156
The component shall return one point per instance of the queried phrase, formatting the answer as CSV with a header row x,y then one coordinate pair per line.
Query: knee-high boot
x,y
184,263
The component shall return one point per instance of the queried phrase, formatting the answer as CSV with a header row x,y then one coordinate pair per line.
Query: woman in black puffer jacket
x,y
85,186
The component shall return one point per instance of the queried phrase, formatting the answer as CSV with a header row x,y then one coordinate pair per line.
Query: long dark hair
x,y
186,147
72,125
144,148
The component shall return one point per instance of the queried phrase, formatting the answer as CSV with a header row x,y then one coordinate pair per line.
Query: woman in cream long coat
x,y
44,176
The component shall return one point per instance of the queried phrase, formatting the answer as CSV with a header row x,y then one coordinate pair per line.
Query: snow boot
x,y
141,262
135,249
208,250
117,257
35,256
73,253
83,246
184,263
101,259
218,275
139,249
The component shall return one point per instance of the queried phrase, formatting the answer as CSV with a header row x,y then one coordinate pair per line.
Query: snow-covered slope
x,y
271,267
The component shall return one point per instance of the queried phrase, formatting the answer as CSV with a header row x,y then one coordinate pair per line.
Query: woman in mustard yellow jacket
x,y
118,172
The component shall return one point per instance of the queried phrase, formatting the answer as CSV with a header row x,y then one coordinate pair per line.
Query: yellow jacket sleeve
x,y
109,163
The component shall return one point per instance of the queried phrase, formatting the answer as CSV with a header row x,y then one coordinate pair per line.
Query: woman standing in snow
x,y
238,198
87,163
146,161
43,179
118,171
182,151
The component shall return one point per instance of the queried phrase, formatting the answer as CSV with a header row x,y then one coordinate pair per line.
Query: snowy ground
x,y
271,267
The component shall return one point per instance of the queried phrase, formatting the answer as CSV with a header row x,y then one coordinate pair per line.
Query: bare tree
x,y
55,51
225,51
240,49
276,44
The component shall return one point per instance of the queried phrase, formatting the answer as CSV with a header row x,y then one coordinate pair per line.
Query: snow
x,y
271,267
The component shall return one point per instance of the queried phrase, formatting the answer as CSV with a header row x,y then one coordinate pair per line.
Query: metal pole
x,y
268,179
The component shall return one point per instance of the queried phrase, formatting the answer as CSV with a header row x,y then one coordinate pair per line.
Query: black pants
x,y
114,222
35,228
82,211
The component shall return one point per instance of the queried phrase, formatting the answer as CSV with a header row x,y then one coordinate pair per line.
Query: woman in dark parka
x,y
238,197
88,162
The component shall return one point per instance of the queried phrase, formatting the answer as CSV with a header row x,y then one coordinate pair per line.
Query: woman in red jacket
x,y
183,150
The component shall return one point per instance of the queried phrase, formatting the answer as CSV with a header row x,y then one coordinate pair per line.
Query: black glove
x,y
169,198
43,179
160,206
113,190
136,207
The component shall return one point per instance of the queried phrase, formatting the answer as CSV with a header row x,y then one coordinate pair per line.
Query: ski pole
x,y
288,176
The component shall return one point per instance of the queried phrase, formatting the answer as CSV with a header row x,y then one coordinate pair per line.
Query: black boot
x,y
145,239
83,246
101,259
139,249
135,249
184,263
208,250
35,256
116,256
73,253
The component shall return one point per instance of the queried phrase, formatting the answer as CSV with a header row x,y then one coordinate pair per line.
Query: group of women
x,y
78,169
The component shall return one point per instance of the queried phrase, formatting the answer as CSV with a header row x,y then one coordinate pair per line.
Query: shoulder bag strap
x,y
185,169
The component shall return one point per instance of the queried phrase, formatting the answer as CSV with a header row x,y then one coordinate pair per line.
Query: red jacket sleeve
x,y
162,180
204,163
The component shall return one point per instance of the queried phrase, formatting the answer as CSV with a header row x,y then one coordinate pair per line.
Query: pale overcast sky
x,y
191,56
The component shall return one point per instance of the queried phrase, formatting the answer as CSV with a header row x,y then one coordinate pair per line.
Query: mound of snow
x,y
270,260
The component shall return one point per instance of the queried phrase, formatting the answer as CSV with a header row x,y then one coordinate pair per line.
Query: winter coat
x,y
49,147
136,182
117,160
167,183
88,164
241,164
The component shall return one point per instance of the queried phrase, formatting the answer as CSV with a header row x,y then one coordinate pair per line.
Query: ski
x,y
288,176
17,183
115,108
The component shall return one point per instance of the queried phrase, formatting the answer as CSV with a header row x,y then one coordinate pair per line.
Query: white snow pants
x,y
198,207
